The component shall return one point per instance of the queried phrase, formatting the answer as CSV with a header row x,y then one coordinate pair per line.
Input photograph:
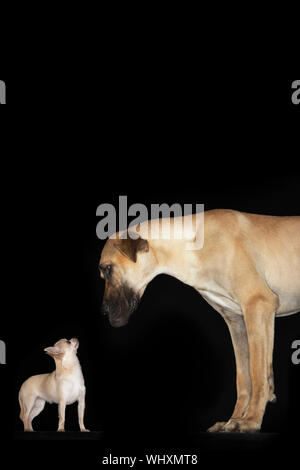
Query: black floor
x,y
59,436
201,440
91,449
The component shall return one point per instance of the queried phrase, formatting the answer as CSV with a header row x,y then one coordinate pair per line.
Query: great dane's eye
x,y
105,270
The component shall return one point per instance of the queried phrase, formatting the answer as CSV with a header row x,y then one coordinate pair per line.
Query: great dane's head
x,y
127,265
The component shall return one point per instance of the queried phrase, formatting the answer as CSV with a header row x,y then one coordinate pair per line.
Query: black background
x,y
224,141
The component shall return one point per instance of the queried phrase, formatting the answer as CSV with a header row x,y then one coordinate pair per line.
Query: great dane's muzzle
x,y
119,303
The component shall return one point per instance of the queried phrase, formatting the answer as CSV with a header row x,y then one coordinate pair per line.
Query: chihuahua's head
x,y
64,349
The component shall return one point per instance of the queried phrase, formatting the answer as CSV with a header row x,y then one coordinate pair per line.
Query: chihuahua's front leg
x,y
81,408
61,414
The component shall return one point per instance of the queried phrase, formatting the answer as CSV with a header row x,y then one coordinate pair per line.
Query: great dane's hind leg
x,y
259,315
238,333
272,396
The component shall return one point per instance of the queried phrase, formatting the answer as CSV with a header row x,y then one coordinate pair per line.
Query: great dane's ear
x,y
131,246
52,350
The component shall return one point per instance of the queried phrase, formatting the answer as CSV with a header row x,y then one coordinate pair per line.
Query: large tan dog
x,y
248,270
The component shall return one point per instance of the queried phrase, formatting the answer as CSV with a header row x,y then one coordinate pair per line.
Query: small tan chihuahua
x,y
64,386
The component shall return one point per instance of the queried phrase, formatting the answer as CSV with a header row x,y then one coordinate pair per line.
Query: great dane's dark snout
x,y
119,305
104,308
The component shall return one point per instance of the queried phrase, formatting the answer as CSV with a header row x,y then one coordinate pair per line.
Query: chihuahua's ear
x,y
52,351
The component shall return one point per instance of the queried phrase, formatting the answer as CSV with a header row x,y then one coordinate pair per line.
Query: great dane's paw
x,y
84,430
60,430
217,427
240,425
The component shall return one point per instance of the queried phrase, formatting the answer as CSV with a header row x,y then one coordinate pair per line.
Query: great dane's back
x,y
274,245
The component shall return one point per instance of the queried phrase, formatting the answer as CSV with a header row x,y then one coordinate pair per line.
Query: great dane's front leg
x,y
238,333
259,316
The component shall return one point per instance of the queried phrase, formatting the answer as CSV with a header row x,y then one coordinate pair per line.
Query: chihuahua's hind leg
x,y
36,410
22,408
27,406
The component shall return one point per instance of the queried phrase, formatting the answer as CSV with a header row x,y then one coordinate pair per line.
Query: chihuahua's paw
x,y
84,430
60,430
